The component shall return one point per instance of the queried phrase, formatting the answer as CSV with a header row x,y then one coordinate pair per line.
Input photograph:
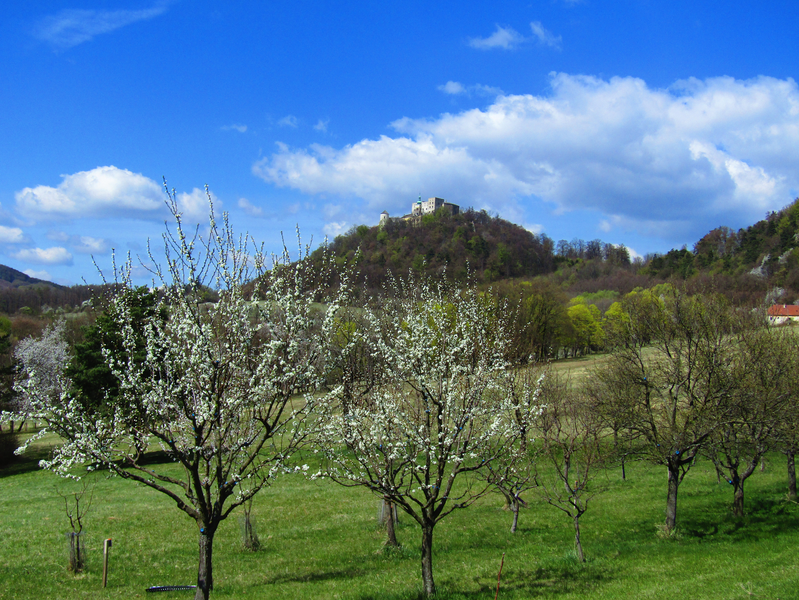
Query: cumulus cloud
x,y
653,160
506,38
249,208
235,127
196,205
45,256
71,27
544,36
321,125
101,192
11,235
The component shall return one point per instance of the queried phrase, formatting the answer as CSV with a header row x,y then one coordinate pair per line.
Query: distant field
x,y
321,542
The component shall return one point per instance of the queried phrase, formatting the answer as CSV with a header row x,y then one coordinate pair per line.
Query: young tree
x,y
219,385
763,365
571,433
514,472
441,412
670,380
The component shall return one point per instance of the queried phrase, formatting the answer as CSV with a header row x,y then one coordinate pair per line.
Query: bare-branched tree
x,y
572,452
763,371
668,381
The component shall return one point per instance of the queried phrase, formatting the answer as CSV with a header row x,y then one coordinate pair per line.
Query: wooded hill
x,y
18,290
746,265
443,244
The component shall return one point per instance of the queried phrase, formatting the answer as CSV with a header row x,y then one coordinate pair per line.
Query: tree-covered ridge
x,y
12,278
769,250
493,248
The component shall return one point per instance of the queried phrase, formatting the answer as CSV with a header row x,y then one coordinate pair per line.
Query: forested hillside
x,y
490,247
18,291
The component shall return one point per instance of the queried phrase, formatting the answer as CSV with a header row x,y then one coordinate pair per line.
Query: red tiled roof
x,y
784,310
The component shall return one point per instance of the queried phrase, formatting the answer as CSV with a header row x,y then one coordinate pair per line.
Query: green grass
x,y
320,541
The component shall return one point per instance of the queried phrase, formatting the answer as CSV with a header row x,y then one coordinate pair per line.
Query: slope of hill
x,y
490,247
12,278
763,256
18,291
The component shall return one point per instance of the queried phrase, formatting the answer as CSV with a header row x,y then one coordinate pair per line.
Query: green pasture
x,y
320,540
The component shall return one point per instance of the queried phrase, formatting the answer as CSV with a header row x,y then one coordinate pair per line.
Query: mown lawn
x,y
320,541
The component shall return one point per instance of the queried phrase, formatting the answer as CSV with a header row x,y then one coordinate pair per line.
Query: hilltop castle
x,y
427,207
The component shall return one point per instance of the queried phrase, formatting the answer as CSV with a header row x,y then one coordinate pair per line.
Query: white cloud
x,y
652,160
47,256
486,90
333,229
321,125
534,228
82,244
11,235
288,121
37,274
235,127
452,87
101,192
90,245
506,38
249,208
331,211
544,36
455,88
71,27
194,206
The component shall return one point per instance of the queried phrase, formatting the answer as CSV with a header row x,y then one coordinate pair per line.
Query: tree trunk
x,y
205,579
391,536
738,500
616,451
737,494
578,546
791,475
671,498
427,560
515,509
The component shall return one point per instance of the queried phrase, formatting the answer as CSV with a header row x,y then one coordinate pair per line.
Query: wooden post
x,y
499,575
106,546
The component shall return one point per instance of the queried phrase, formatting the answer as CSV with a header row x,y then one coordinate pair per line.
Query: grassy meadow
x,y
320,541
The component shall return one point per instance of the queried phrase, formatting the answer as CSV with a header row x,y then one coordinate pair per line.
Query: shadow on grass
x,y
29,461
767,515
25,463
553,577
348,573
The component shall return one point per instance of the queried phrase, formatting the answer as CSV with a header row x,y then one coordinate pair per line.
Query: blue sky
x,y
640,122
